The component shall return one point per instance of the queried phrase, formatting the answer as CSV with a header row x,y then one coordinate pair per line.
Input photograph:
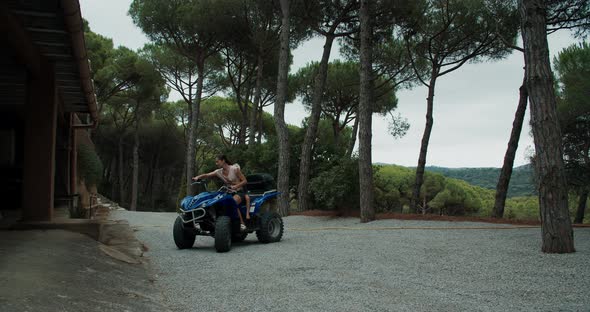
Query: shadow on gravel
x,y
209,247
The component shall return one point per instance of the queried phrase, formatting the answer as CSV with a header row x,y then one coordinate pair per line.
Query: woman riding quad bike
x,y
218,214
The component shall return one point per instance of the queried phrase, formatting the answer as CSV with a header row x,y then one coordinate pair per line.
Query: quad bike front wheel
x,y
223,234
183,238
271,228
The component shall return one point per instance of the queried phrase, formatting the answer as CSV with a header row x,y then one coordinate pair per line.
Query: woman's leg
x,y
238,202
247,206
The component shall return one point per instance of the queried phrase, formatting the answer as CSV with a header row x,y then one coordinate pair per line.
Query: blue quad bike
x,y
215,214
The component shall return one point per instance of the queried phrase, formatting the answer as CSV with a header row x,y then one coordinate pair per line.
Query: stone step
x,y
61,212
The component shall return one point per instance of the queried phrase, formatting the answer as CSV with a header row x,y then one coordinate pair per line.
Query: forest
x,y
229,63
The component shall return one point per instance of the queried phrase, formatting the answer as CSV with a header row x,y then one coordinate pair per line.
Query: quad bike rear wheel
x,y
271,228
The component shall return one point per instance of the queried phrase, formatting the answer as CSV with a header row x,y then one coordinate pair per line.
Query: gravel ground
x,y
325,264
63,271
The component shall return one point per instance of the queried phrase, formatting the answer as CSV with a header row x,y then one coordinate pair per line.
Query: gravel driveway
x,y
325,264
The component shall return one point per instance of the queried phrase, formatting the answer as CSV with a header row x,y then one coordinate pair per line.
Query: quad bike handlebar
x,y
204,182
201,182
226,189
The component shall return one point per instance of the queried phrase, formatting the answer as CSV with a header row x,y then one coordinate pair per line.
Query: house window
x,y
7,147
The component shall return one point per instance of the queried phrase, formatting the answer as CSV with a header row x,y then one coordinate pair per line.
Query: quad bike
x,y
216,214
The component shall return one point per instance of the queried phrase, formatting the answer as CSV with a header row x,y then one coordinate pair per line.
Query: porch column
x,y
39,146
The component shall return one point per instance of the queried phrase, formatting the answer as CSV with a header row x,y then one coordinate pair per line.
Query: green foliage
x,y
221,122
223,117
393,187
572,15
433,184
340,102
119,70
457,198
337,187
448,196
195,29
330,147
89,165
442,195
522,208
110,67
398,126
573,67
521,183
100,49
188,36
341,94
161,162
472,23
451,33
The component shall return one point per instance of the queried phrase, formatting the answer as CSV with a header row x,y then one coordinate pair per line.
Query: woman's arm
x,y
205,175
242,178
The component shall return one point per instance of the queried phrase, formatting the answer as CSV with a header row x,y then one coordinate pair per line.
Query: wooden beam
x,y
33,13
18,38
46,30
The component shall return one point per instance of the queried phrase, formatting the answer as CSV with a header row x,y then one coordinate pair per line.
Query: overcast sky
x,y
473,107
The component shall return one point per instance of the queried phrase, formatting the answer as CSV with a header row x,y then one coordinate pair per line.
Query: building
x,y
46,97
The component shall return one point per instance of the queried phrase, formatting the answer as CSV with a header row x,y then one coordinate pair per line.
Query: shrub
x,y
89,165
337,187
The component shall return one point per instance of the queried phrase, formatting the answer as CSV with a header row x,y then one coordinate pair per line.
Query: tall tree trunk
x,y
151,171
260,114
121,182
192,135
336,130
245,122
254,112
182,186
312,127
425,139
558,236
106,170
279,114
581,207
156,182
135,177
506,173
355,129
365,114
114,181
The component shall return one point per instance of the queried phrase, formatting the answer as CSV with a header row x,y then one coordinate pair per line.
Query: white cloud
x,y
109,18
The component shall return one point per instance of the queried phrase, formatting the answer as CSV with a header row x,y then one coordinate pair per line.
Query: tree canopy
x,y
228,62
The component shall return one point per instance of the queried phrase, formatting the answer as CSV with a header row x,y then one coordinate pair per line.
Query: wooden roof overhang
x,y
52,29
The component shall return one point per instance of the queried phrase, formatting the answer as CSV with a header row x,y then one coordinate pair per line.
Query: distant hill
x,y
521,183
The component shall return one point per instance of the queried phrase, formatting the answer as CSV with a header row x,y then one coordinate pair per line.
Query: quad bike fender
x,y
258,202
193,202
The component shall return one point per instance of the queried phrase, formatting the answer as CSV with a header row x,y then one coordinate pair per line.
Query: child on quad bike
x,y
233,178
